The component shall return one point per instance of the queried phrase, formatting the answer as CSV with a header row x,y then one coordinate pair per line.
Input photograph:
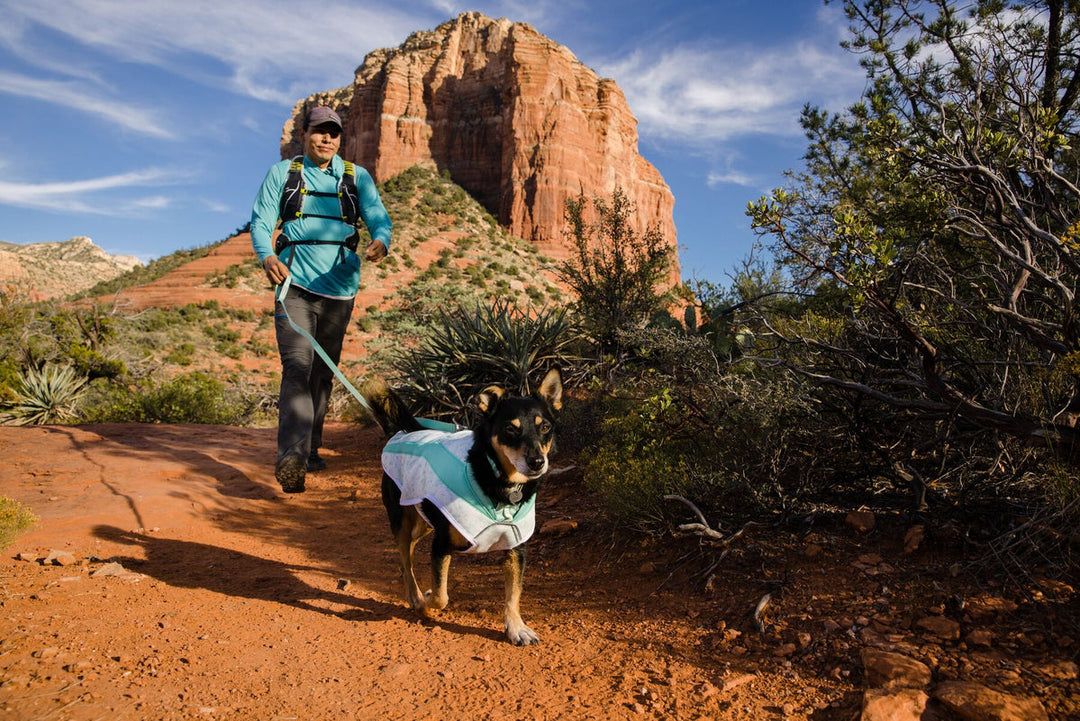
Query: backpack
x,y
291,206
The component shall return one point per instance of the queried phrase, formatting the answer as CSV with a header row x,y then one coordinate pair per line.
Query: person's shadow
x,y
185,564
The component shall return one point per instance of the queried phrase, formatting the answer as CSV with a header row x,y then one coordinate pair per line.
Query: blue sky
x,y
149,125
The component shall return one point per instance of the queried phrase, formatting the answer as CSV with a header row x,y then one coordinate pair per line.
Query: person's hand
x,y
375,251
276,271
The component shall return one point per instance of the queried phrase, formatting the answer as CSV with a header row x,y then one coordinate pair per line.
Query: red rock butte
x,y
512,116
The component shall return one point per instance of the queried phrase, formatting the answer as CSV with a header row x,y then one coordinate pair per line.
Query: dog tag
x,y
515,495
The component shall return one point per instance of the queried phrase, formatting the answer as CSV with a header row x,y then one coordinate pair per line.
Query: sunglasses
x,y
332,130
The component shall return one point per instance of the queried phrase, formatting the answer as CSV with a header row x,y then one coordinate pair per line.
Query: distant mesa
x,y
42,271
513,117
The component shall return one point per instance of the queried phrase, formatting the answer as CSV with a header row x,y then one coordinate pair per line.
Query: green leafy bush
x,y
189,398
182,354
93,364
739,441
631,479
194,397
614,271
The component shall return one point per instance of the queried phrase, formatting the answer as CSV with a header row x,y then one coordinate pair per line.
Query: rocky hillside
x,y
446,250
42,271
512,116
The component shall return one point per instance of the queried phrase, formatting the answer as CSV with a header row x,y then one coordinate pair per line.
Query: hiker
x,y
318,198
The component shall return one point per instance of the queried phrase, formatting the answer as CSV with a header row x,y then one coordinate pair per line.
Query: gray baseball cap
x,y
322,115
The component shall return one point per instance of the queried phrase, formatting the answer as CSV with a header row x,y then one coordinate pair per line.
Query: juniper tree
x,y
616,272
940,218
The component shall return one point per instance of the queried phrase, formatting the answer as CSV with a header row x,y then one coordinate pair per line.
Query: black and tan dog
x,y
475,488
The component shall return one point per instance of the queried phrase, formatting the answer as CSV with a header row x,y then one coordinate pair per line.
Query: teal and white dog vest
x,y
431,465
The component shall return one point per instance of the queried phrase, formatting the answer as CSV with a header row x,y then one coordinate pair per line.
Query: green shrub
x,y
92,364
9,381
260,348
14,519
188,398
182,354
739,441
616,272
222,332
191,398
106,402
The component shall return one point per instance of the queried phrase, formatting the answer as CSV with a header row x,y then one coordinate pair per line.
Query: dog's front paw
x,y
418,604
521,635
434,601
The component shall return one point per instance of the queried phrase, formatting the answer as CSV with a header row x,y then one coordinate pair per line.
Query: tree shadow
x,y
185,564
338,527
178,445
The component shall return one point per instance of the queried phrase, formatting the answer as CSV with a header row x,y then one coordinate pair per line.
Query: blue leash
x,y
282,290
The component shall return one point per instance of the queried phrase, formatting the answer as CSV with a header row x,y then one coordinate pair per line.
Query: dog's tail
x,y
387,407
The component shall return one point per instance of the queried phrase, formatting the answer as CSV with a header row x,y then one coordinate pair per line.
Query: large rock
x,y
975,702
888,670
513,117
907,704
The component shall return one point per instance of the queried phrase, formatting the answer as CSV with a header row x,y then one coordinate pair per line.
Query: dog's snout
x,y
536,463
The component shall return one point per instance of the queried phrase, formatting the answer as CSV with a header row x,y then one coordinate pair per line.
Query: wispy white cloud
x,y
701,95
73,95
77,196
529,11
268,49
215,206
152,202
448,7
717,178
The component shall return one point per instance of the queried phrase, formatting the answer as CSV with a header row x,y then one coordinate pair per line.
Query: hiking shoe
x,y
290,472
315,462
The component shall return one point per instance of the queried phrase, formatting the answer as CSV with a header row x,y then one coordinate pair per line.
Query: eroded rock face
x,y
40,271
514,118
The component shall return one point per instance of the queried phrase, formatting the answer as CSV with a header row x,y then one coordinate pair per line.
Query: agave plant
x,y
467,349
45,395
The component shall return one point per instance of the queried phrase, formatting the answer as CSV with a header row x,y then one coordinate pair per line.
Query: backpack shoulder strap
x,y
347,193
292,194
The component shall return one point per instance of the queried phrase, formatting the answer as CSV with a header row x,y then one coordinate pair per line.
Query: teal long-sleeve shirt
x,y
326,270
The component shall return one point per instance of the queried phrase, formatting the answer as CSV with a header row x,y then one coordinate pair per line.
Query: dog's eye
x,y
545,428
512,430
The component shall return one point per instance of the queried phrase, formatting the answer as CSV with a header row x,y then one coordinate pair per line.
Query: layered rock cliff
x,y
513,117
40,271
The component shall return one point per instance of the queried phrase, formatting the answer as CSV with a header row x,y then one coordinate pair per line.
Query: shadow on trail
x,y
184,564
177,443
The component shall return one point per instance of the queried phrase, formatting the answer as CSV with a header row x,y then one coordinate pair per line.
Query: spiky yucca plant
x,y
45,395
468,349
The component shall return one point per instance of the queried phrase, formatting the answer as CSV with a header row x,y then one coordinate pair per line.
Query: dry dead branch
x,y
702,529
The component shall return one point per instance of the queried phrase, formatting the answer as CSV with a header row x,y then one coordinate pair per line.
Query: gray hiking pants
x,y
305,379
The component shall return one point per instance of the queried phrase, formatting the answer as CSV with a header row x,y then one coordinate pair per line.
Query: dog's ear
x,y
489,398
551,388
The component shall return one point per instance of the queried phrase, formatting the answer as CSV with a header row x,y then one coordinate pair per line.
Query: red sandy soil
x,y
239,602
